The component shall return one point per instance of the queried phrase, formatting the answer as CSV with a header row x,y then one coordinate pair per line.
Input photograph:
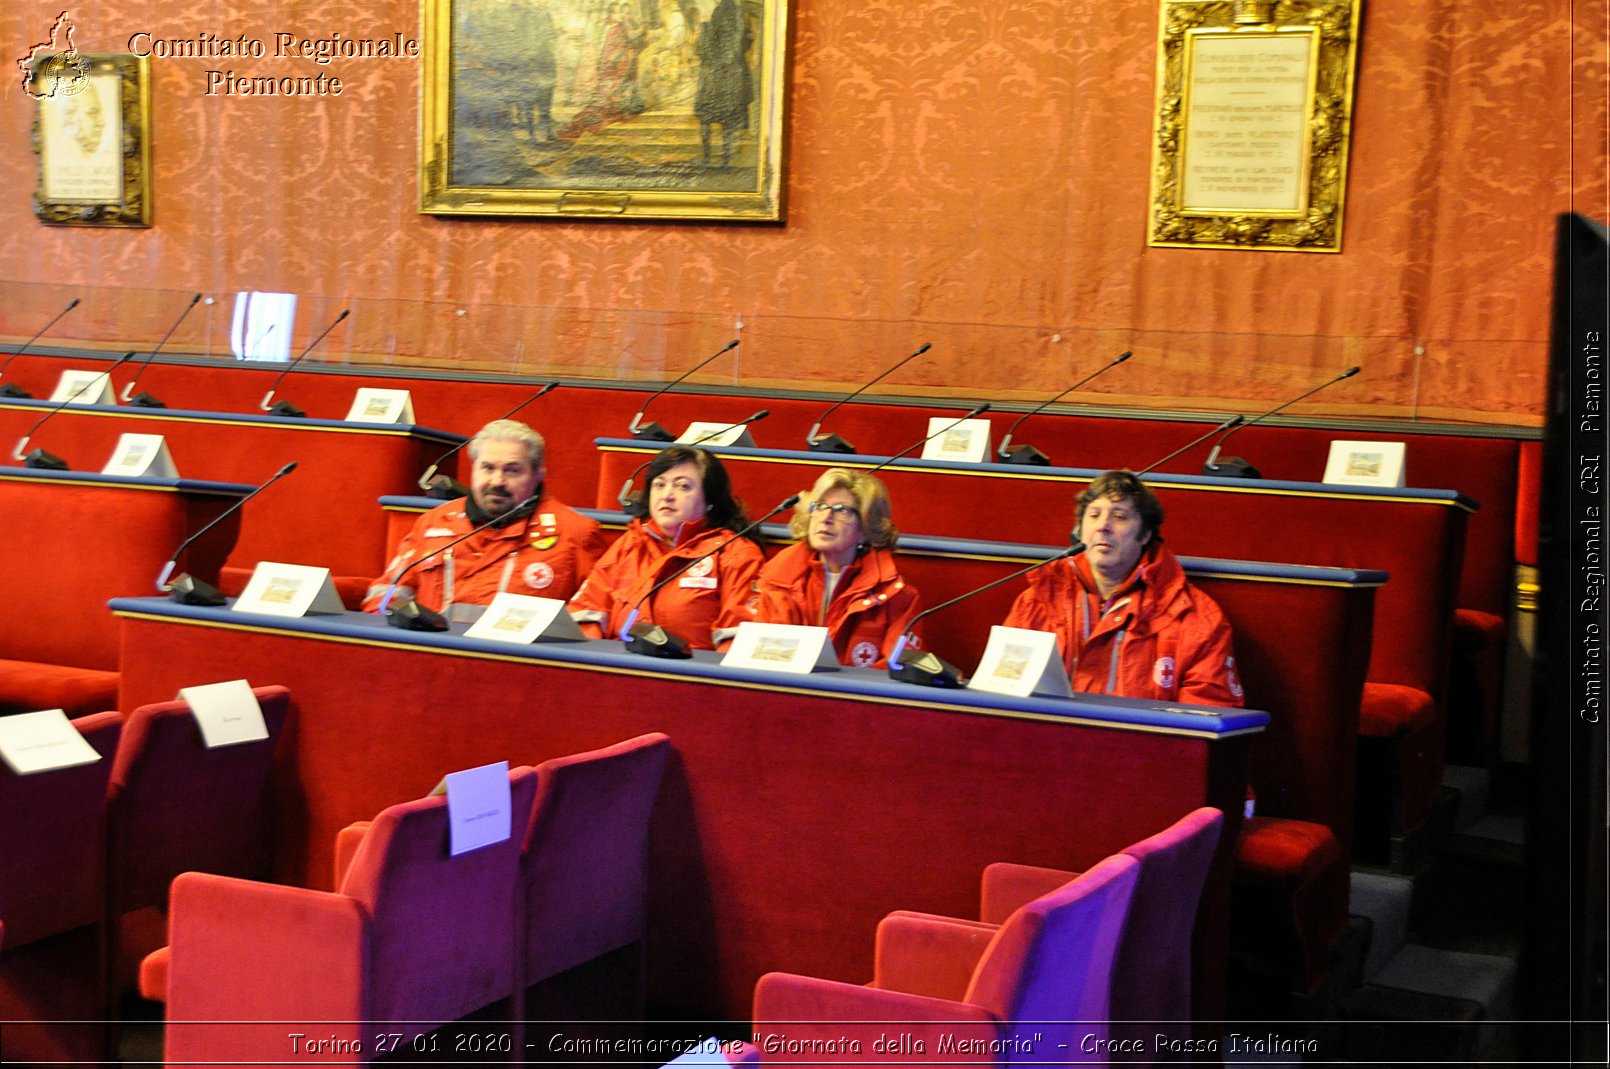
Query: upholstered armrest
x,y
1008,888
242,952
792,1014
347,841
154,975
925,954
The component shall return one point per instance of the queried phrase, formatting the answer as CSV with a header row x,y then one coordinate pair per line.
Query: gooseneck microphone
x,y
653,432
40,458
143,399
445,487
285,408
832,443
1238,467
927,669
416,617
652,640
1027,454
188,590
11,390
633,502
1229,424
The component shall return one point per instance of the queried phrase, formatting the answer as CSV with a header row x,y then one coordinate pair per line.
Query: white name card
x,y
523,619
84,388
370,405
142,454
1365,463
717,434
227,713
478,805
39,742
781,648
966,441
289,590
1021,662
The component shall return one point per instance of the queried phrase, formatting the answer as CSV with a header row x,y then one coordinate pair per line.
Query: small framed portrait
x,y
91,135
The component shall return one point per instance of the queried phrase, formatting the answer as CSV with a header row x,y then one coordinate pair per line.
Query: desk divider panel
x,y
792,816
319,515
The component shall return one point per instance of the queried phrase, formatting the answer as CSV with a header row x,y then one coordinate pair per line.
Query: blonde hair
x,y
511,430
871,505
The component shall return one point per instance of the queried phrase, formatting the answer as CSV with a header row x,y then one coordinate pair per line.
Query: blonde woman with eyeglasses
x,y
841,573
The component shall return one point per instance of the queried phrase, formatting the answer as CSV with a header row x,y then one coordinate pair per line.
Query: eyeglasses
x,y
840,512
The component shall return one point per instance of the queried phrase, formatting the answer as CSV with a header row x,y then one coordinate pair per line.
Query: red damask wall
x,y
968,172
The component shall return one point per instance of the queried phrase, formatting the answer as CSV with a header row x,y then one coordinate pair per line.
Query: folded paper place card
x,y
289,590
370,405
1021,662
1365,463
227,713
478,805
522,619
39,742
781,648
141,454
84,388
717,434
965,441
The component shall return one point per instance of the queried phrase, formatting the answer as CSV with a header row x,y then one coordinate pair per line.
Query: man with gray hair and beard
x,y
533,545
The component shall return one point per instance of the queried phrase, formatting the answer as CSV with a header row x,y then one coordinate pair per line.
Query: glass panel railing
x,y
1014,364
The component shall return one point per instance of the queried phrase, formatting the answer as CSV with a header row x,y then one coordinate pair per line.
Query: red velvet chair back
x,y
586,859
1151,979
1049,969
51,841
52,892
443,929
175,806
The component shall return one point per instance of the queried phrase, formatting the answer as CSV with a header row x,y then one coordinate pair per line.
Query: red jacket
x,y
1156,637
547,555
871,607
689,605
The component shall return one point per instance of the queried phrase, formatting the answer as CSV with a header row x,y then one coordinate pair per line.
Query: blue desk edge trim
x,y
133,482
828,460
446,437
705,665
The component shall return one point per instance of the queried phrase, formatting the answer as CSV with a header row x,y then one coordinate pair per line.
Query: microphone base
x,y
830,443
653,432
145,400
1232,468
186,589
652,640
11,389
1025,454
635,505
446,488
39,458
286,409
926,670
415,617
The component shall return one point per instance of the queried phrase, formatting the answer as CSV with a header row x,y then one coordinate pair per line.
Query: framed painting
x,y
1253,123
92,138
590,109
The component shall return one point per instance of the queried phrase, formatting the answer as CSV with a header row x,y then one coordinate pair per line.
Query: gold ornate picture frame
x,y
590,109
92,138
1253,123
